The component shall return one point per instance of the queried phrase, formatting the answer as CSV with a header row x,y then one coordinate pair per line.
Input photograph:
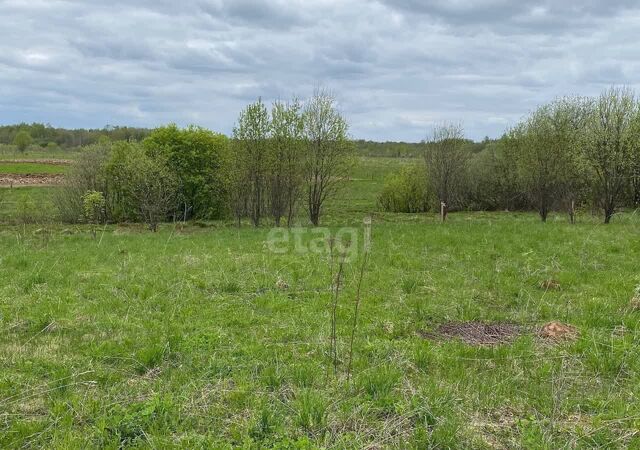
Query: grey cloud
x,y
396,66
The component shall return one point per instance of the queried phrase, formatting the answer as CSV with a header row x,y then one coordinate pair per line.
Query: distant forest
x,y
44,135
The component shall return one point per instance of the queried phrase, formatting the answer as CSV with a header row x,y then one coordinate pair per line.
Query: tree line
x,y
24,135
573,152
277,158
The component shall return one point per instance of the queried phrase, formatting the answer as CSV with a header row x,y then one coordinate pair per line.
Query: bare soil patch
x,y
476,333
35,179
558,331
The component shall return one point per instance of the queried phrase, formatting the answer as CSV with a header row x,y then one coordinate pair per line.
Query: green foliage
x,y
251,160
198,159
22,140
45,134
406,191
87,173
142,187
93,203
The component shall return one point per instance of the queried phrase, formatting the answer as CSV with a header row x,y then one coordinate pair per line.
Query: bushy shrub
x,y
198,158
86,174
142,187
406,191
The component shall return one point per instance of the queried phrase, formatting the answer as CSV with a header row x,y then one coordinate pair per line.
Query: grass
x,y
22,168
11,152
186,338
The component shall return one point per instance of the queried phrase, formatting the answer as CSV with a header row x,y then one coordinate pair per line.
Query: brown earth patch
x,y
558,331
33,179
476,333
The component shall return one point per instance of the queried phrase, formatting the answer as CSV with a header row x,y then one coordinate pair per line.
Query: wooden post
x,y
443,211
572,212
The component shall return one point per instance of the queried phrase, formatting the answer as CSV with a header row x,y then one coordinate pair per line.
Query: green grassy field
x,y
202,337
31,168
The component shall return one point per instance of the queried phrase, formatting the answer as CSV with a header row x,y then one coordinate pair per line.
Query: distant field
x,y
9,152
31,168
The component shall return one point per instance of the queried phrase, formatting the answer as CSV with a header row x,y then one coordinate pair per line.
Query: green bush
x,y
198,158
406,191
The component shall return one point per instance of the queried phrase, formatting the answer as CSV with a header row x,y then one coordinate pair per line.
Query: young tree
x,y
93,203
446,160
328,151
251,143
611,140
547,154
22,140
286,159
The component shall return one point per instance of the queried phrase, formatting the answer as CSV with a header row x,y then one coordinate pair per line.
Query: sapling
x,y
93,204
356,312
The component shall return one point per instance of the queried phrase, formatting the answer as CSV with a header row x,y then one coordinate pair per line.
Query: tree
x,y
328,151
250,137
22,140
287,159
446,159
198,159
610,142
547,148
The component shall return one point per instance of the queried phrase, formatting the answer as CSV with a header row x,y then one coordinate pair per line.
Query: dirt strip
x,y
36,179
51,162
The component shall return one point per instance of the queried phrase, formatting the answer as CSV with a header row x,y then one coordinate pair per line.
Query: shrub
x,y
198,159
142,187
86,174
406,191
22,140
93,208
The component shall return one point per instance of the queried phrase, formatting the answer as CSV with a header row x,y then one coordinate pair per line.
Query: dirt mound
x,y
558,331
35,179
476,333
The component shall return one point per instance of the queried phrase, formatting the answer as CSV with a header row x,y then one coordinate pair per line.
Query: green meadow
x,y
201,336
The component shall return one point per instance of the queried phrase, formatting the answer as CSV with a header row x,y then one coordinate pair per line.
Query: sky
x,y
396,67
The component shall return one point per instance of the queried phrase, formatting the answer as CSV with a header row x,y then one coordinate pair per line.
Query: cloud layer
x,y
396,66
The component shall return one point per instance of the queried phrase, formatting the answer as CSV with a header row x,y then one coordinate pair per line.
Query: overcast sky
x,y
395,66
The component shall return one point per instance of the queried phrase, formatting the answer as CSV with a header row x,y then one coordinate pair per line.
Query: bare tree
x,y
285,169
611,141
328,151
446,159
251,145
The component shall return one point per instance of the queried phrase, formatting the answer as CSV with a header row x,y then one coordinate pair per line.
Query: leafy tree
x,y
22,140
287,159
198,158
328,151
547,147
251,158
610,142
